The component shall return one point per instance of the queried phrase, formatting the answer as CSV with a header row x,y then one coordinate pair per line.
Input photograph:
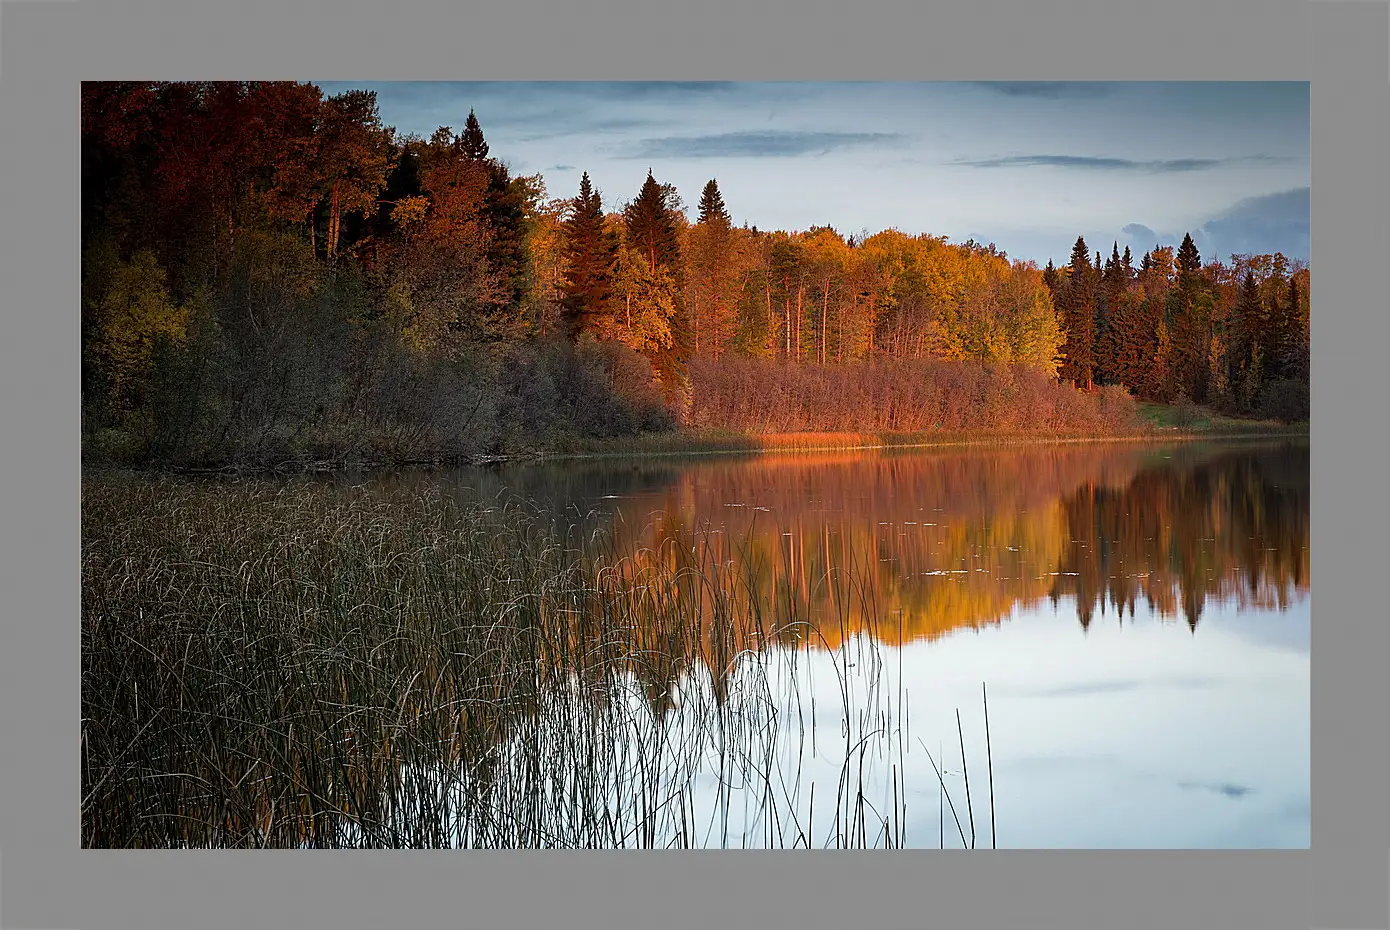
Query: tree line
x,y
270,272
1234,336
1106,530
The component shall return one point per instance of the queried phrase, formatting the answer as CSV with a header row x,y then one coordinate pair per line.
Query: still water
x,y
1138,615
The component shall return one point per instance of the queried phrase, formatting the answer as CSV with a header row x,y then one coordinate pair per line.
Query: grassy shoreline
x,y
389,669
1161,423
703,443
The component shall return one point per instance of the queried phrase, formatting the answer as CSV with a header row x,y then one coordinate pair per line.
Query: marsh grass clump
x,y
316,665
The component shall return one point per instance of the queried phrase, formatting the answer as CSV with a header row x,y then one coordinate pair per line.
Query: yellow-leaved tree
x,y
644,304
133,313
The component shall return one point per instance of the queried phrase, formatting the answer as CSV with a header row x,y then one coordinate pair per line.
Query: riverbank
x,y
1158,423
1158,428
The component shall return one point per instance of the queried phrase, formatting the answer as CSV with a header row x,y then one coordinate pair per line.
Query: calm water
x,y
1140,616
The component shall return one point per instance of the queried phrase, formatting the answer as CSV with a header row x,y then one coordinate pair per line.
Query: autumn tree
x,y
354,156
132,315
546,242
652,229
644,304
828,260
439,288
712,276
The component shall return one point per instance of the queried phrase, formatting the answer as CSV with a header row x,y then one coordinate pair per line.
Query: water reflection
x,y
1116,734
945,541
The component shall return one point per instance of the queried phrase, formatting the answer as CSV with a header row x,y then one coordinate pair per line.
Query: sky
x,y
1027,166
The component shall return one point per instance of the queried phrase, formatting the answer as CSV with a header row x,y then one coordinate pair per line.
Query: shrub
x,y
1285,399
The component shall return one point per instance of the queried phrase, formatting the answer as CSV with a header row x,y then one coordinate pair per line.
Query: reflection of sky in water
x,y
1130,734
1144,735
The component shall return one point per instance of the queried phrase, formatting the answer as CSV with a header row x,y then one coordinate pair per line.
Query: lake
x,y
1138,614
815,646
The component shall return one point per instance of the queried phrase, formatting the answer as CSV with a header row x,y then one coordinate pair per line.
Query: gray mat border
x,y
45,48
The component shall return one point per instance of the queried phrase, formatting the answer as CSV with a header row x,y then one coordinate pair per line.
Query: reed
x,y
307,664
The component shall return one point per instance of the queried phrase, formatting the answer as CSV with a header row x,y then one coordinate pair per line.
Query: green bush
x,y
1286,400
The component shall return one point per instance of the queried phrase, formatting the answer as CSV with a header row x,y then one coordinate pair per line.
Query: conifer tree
x,y
590,256
1079,317
1189,324
504,208
1108,298
1249,329
1189,262
471,143
712,209
651,227
1278,328
1297,334
710,289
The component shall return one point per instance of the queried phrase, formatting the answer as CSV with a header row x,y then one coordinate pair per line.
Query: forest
x,y
271,275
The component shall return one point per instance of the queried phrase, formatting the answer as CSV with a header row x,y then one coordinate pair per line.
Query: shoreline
x,y
690,444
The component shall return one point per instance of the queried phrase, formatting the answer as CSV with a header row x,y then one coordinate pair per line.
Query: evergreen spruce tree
x,y
1249,329
1189,262
504,209
712,209
1189,325
1107,300
1277,329
651,227
710,289
590,256
1297,334
471,143
1079,318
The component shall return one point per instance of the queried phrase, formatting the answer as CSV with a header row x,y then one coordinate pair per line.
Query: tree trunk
x,y
825,309
768,294
787,326
333,219
800,288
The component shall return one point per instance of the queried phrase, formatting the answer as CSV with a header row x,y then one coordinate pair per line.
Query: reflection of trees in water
x,y
477,644
706,562
1234,527
913,547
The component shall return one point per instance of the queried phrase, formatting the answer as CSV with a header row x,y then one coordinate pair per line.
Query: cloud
x,y
1258,226
757,144
1139,233
1095,163
1049,90
561,168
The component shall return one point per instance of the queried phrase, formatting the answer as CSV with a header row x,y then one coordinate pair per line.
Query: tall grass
x,y
764,396
311,665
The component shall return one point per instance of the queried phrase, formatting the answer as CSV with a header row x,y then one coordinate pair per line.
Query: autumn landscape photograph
x,y
662,465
